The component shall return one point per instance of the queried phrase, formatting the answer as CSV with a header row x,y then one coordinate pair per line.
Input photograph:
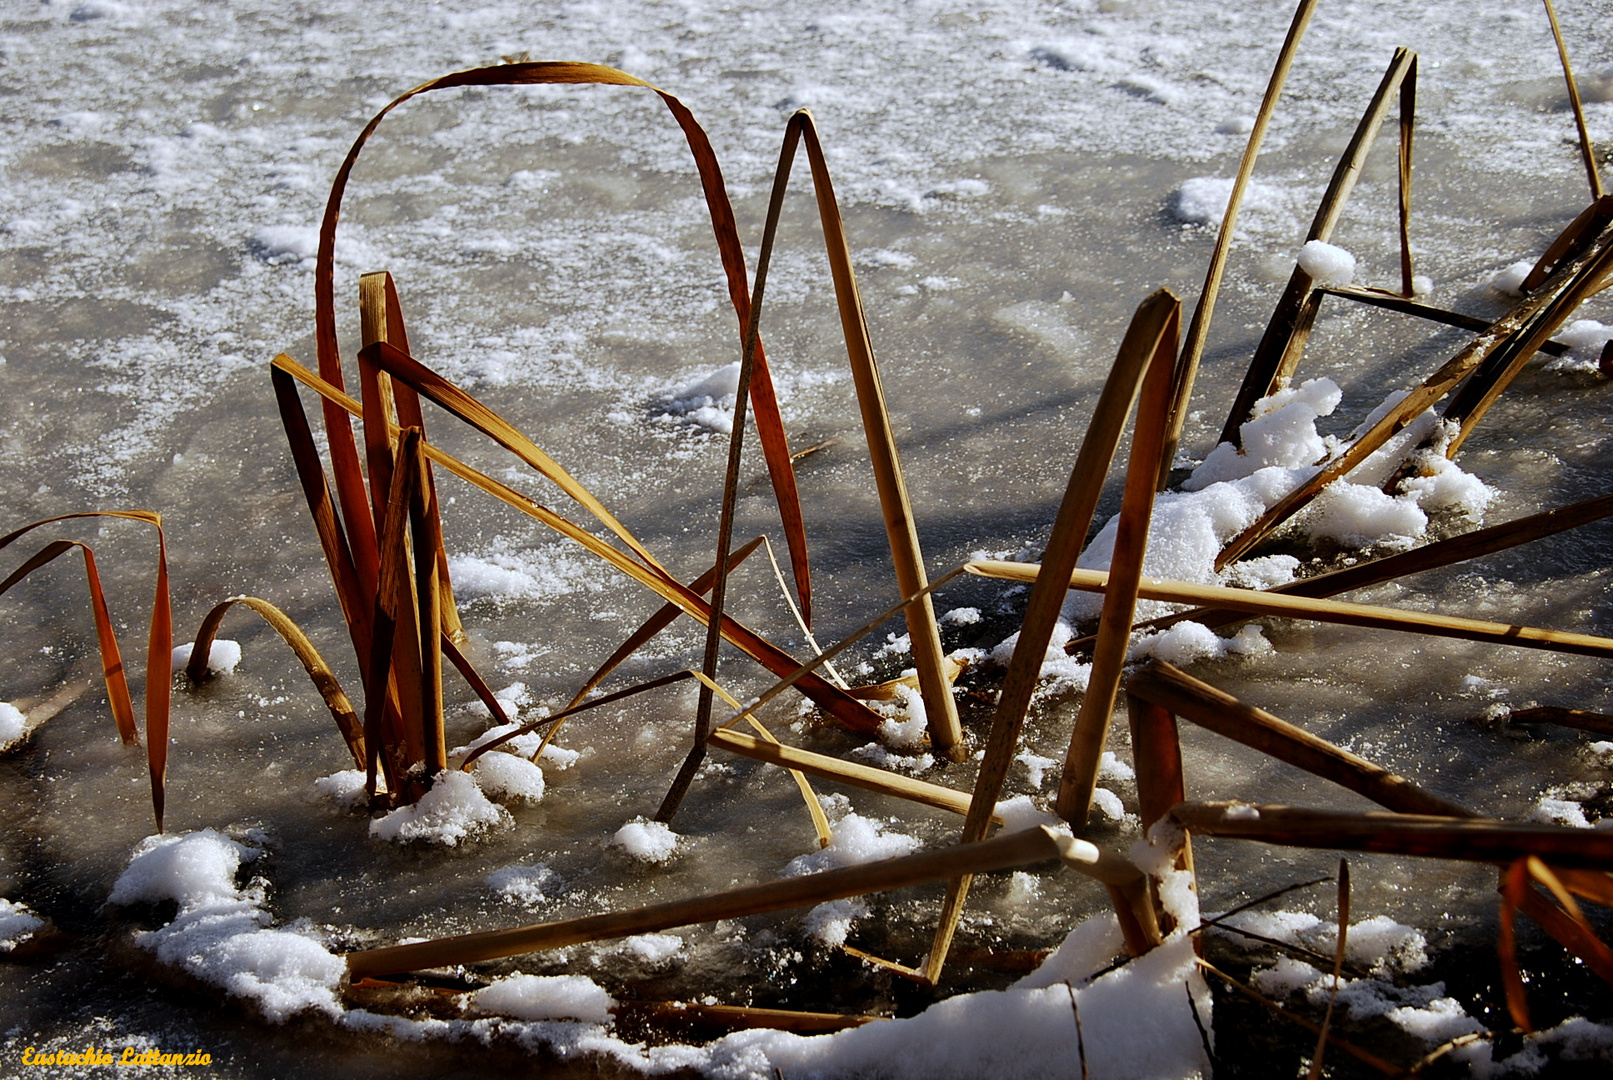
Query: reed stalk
x,y
1070,528
1017,849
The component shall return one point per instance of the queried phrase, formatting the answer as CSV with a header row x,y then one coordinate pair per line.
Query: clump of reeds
x,y
378,520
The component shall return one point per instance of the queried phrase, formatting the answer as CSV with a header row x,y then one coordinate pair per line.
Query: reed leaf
x,y
324,680
159,646
117,681
769,421
1514,883
1179,694
820,821
830,698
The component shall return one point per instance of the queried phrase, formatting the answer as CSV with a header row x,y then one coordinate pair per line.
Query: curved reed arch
x,y
341,709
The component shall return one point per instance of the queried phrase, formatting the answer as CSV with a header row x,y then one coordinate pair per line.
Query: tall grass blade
x,y
381,316
850,773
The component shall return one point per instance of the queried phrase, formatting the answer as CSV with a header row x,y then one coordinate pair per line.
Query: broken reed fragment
x,y
1148,436
1018,849
1257,602
1455,549
1187,365
1424,835
1514,337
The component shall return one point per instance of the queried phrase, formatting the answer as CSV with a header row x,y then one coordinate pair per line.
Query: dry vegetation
x,y
377,518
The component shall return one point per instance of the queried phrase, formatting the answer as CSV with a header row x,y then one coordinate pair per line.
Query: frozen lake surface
x,y
1015,179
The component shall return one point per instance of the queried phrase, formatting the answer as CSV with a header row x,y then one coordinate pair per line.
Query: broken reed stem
x,y
1070,528
1282,605
1586,150
1338,970
850,773
1198,329
725,520
1468,406
1523,329
1424,835
1278,353
1408,128
1018,849
428,595
1163,689
1177,693
1580,232
1148,436
924,635
1407,306
1599,723
324,680
1455,549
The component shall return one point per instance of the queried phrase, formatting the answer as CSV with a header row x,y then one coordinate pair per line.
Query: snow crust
x,y
222,657
13,725
17,923
224,935
1326,263
646,841
547,997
